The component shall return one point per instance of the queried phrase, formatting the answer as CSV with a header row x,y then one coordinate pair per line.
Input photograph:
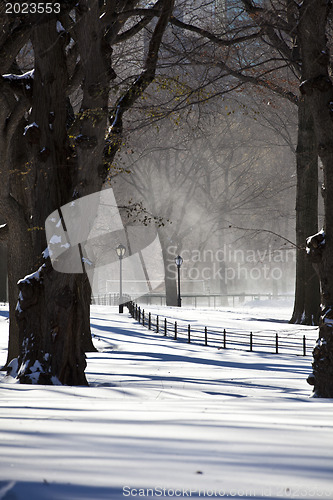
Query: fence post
x,y
224,338
143,317
304,345
136,311
206,338
251,341
139,314
149,321
175,337
276,344
165,327
189,334
157,325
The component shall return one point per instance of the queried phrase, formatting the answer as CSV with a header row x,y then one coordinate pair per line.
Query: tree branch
x,y
147,76
269,23
9,50
261,230
19,84
115,21
135,29
210,36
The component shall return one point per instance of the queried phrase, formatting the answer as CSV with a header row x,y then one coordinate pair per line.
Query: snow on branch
x,y
3,232
315,245
21,84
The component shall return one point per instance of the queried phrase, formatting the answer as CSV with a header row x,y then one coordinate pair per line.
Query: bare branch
x,y
115,21
269,23
148,75
9,50
213,38
261,230
19,84
135,29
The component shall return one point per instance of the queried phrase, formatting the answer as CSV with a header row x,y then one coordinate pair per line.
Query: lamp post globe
x,y
121,250
179,261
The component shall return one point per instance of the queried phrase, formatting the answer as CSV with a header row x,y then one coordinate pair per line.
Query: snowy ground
x,y
168,419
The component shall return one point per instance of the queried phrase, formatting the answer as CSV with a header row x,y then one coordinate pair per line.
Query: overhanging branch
x,y
147,76
221,42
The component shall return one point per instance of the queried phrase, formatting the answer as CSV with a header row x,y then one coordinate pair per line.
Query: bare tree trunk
x,y
51,318
3,272
53,307
51,315
307,293
318,89
84,292
15,271
170,272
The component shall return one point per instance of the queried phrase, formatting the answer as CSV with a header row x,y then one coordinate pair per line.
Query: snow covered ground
x,y
169,419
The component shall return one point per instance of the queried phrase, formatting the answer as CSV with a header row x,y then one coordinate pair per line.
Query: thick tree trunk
x,y
53,311
16,269
307,290
19,255
318,89
49,314
3,272
53,308
84,292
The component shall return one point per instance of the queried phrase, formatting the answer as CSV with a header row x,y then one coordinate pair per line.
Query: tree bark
x,y
3,272
50,314
318,89
53,307
307,291
170,271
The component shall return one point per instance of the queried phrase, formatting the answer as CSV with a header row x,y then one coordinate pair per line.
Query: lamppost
x,y
121,250
179,262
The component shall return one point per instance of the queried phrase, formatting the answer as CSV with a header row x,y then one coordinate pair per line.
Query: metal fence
x,y
220,338
191,299
212,299
109,299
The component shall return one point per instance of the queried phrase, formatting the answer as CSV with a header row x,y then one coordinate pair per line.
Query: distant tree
x,y
256,46
201,173
164,180
279,22
317,91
